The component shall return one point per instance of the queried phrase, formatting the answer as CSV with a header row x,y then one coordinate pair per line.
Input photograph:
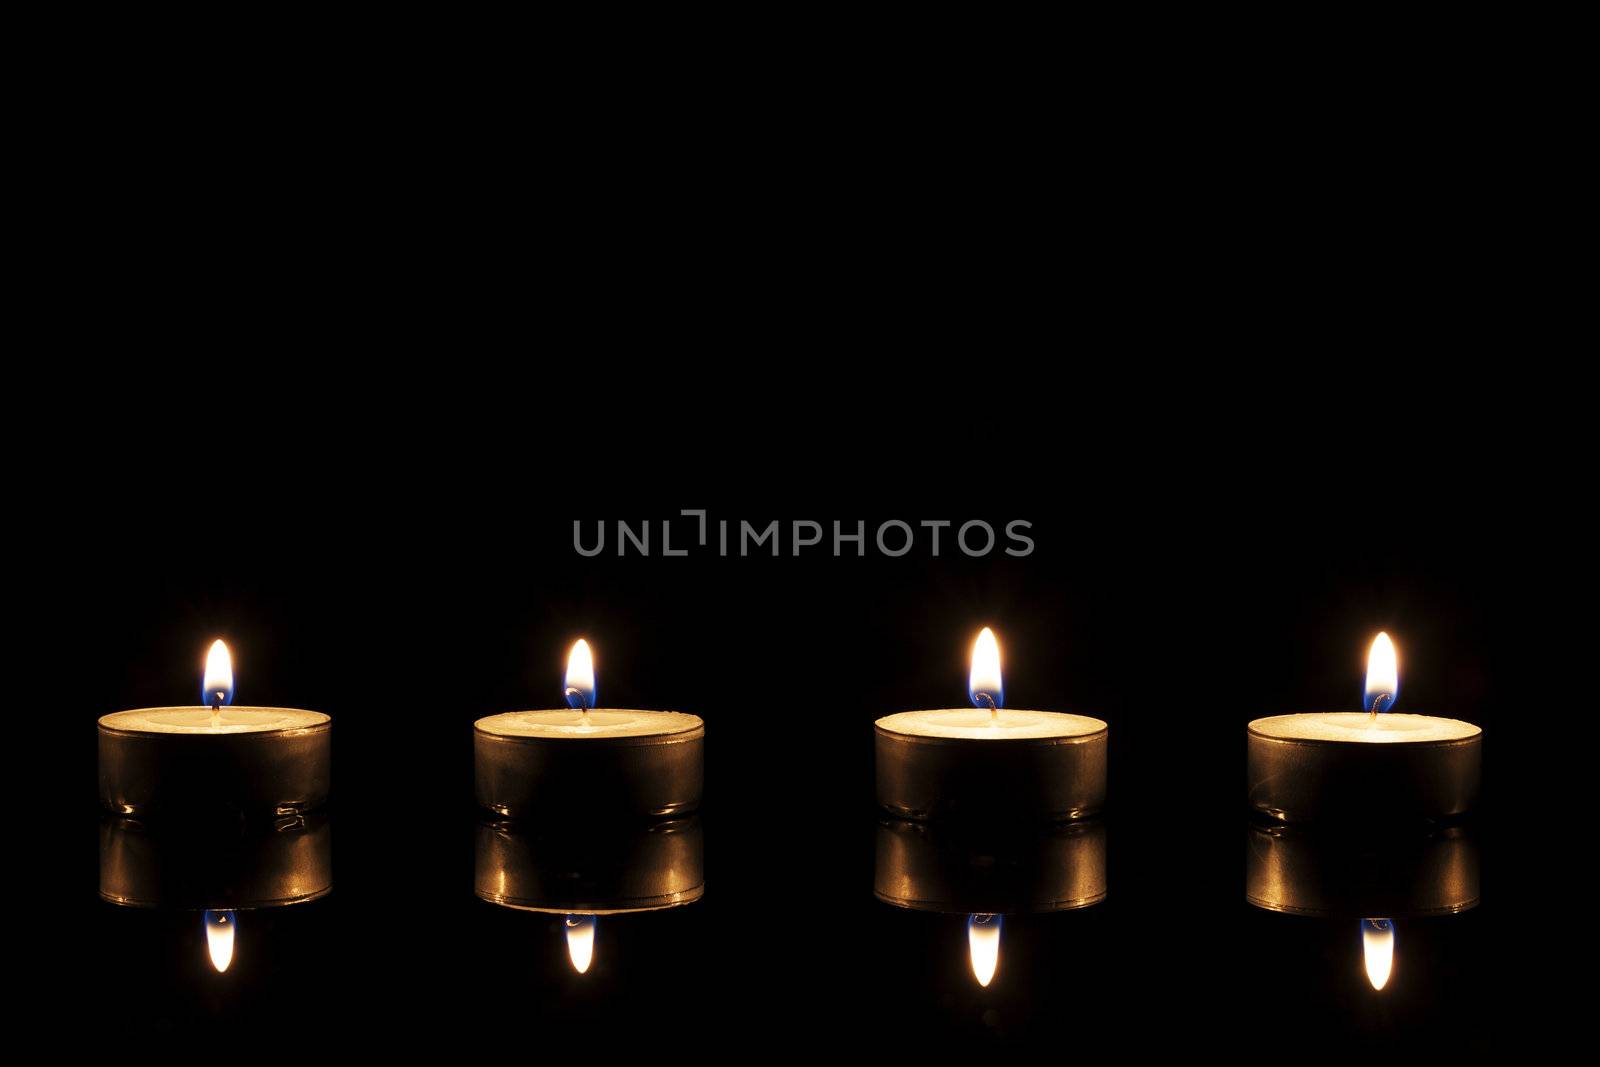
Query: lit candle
x,y
990,760
587,759
186,760
1367,764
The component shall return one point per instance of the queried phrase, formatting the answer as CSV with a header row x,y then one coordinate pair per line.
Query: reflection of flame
x,y
1377,938
1383,676
217,689
580,676
985,677
219,937
580,941
983,944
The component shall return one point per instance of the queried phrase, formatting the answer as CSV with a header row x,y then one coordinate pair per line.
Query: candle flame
x,y
983,684
983,945
580,676
1377,940
219,937
217,688
580,941
1383,676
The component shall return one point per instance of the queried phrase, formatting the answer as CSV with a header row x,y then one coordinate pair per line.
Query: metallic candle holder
x,y
999,778
1302,872
939,867
183,769
590,868
221,865
524,775
1297,779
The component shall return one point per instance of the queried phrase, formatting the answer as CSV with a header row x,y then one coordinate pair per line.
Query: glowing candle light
x,y
985,687
1383,676
580,941
581,692
983,946
220,927
1377,944
216,690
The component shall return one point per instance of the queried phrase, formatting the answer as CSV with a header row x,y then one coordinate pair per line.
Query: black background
x,y
407,597
332,381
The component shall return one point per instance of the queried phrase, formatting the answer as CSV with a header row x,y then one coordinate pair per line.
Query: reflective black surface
x,y
407,610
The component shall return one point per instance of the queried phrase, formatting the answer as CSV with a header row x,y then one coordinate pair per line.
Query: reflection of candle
x,y
220,927
214,755
1368,763
586,867
988,870
989,759
1305,870
997,867
1377,944
580,941
983,946
530,763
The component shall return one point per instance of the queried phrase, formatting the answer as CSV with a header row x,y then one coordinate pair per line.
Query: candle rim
x,y
1096,733
1472,738
324,721
690,727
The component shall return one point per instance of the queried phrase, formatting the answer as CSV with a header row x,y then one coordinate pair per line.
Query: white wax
x,y
1358,727
981,724
199,720
602,722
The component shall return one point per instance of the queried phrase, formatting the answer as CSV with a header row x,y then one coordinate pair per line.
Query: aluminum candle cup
x,y
1360,875
188,760
590,869
547,763
970,763
215,866
1351,766
938,867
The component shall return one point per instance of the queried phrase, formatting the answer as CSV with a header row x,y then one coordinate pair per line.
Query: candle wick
x,y
1382,699
987,701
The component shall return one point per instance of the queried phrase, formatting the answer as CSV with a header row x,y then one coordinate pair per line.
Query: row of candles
x,y
986,765
986,759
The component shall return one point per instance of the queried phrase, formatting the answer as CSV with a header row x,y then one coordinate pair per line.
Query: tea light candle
x,y
588,759
191,759
1369,764
990,760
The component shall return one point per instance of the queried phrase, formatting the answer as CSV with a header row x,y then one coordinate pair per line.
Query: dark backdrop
x,y
407,590
325,365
